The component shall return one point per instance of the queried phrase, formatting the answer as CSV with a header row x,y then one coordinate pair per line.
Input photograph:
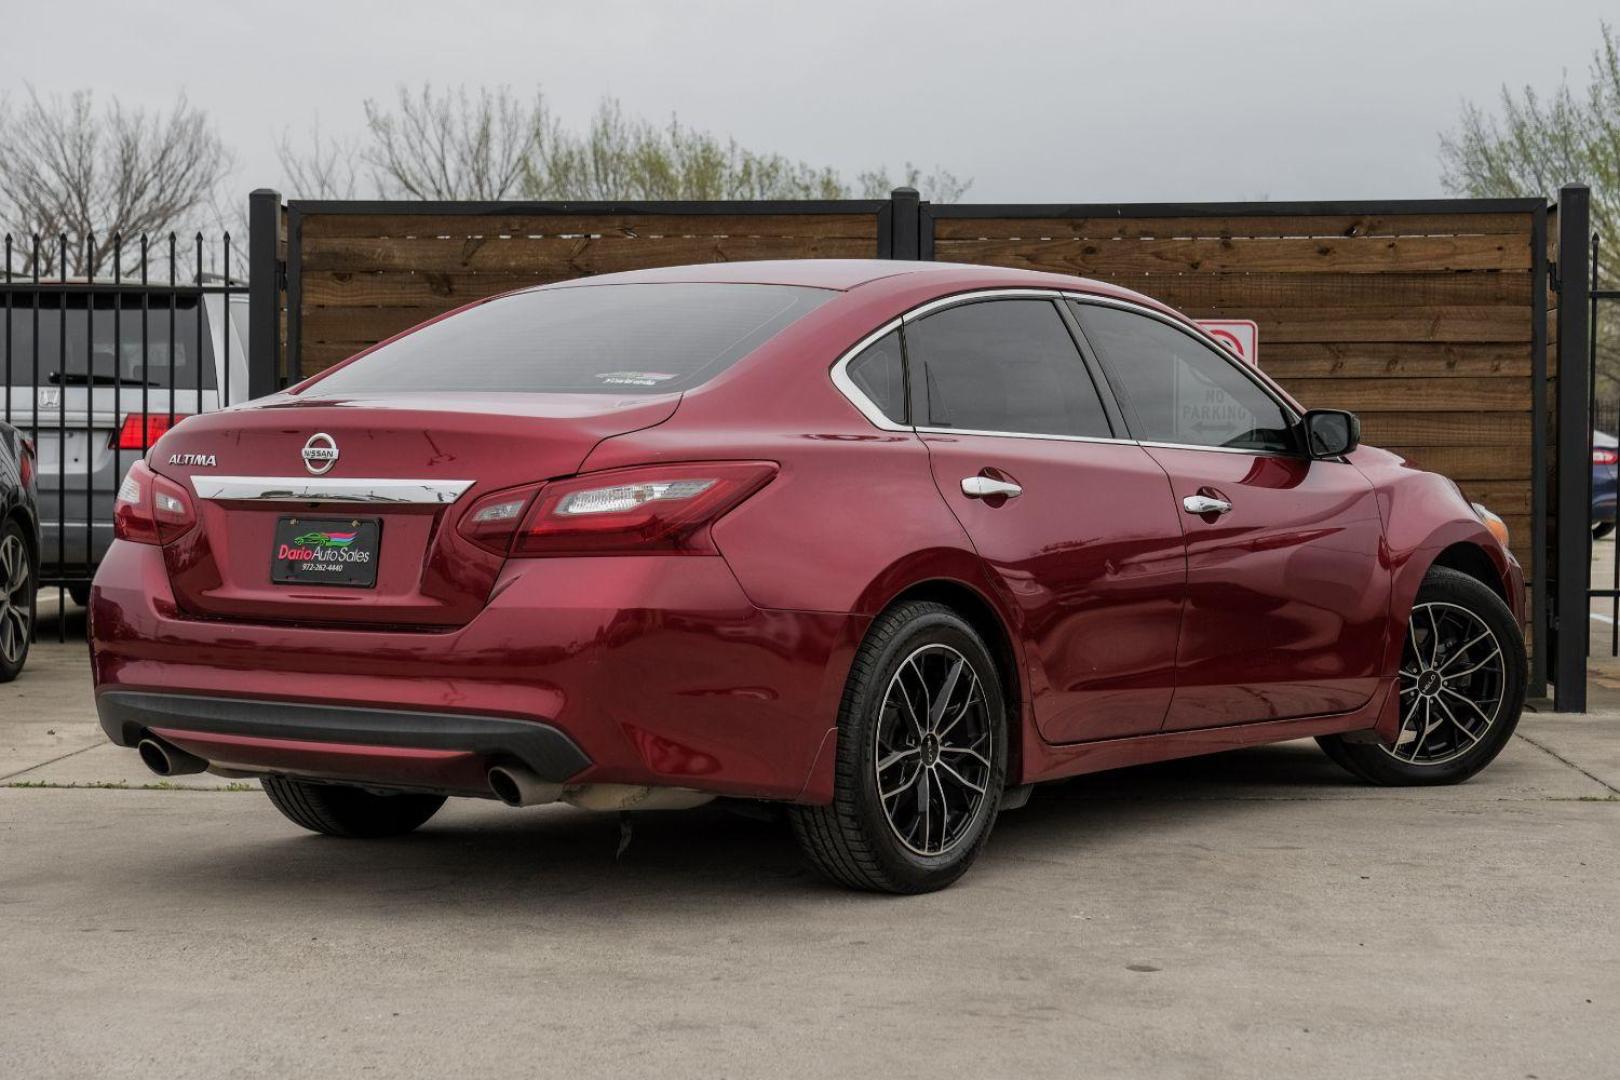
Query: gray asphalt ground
x,y
1255,914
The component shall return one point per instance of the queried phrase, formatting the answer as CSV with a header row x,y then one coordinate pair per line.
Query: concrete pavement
x,y
1255,914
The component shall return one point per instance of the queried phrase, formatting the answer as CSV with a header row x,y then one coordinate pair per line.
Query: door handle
x,y
984,487
1203,504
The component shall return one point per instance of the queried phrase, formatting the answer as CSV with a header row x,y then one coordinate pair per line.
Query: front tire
x,y
19,593
340,810
1461,687
922,757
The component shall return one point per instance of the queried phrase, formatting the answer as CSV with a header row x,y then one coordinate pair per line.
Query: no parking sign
x,y
1241,336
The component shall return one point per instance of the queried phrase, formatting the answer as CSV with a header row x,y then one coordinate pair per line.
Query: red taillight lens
x,y
1604,455
657,508
141,430
151,509
25,466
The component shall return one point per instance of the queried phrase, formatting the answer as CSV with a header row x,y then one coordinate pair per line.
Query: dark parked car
x,y
19,550
95,397
1605,465
884,542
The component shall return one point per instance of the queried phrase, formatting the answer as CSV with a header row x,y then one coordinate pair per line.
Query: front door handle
x,y
1204,504
984,487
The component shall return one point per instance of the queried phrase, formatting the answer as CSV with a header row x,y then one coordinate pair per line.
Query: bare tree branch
x,y
71,170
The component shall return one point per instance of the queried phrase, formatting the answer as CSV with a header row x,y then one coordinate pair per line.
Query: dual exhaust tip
x,y
167,760
515,785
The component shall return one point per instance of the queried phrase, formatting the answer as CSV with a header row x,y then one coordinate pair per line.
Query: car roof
x,y
848,274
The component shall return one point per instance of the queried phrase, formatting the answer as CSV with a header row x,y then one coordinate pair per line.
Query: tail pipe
x,y
167,760
516,786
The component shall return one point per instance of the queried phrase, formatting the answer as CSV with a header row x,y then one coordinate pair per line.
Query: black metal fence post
x,y
904,222
1572,623
264,292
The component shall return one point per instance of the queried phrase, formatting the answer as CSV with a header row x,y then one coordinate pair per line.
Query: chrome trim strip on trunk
x,y
328,489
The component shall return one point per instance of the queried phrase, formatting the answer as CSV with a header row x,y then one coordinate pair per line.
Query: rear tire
x,y
1462,687
19,595
922,757
340,810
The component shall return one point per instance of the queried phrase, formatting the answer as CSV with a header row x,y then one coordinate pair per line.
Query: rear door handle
x,y
1203,504
984,487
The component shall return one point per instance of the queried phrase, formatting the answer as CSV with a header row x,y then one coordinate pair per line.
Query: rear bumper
x,y
649,670
402,747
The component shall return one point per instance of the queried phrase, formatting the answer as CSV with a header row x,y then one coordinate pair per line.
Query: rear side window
x,y
1180,390
103,345
597,339
1005,366
879,372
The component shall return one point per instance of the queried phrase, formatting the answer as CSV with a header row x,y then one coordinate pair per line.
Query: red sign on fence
x,y
1242,336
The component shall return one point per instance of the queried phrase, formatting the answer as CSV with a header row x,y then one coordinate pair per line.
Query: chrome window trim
x,y
873,414
847,387
329,489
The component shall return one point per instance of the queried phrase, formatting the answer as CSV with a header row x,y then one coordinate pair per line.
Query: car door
x,y
1074,519
1287,596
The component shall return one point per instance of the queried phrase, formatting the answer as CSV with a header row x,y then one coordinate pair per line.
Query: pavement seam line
x,y
1599,781
52,761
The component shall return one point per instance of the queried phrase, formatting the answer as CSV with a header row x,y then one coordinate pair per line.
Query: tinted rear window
x,y
104,346
600,339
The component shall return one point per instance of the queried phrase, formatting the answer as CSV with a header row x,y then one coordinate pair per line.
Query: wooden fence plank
x,y
1272,290
344,288
1453,395
1357,255
1485,323
562,256
849,226
1429,428
1358,360
1330,225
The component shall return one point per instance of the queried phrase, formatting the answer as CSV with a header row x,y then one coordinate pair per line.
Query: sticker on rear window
x,y
635,378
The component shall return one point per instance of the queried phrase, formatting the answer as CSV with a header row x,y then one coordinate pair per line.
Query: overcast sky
x,y
1081,101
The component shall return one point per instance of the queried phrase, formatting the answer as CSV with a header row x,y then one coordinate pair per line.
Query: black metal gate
x,y
104,347
1603,355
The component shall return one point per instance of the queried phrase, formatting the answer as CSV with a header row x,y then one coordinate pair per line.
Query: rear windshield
x,y
599,339
104,341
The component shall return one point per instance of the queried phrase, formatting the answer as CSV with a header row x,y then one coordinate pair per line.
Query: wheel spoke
x,y
1472,738
903,788
964,781
972,695
922,804
1460,674
895,758
1458,655
1469,702
1434,636
937,706
974,754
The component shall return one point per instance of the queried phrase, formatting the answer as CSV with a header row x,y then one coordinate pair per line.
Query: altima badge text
x,y
205,460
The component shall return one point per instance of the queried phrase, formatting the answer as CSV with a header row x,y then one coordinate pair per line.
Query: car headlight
x,y
1492,522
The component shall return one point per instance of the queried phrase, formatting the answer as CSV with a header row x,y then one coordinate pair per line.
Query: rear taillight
x,y
151,509
140,430
662,508
1603,455
25,464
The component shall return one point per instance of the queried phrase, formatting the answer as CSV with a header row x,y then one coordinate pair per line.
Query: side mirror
x,y
1330,433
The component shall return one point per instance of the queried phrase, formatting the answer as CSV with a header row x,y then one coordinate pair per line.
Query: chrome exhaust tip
x,y
517,786
166,760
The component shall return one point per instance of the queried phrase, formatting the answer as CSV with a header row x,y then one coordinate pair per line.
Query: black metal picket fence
x,y
106,345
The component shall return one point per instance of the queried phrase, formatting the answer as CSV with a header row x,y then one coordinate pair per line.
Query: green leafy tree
x,y
1533,145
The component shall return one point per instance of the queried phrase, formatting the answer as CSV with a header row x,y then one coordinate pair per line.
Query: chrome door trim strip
x,y
329,489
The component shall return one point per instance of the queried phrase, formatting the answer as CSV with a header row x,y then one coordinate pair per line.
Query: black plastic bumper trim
x,y
551,754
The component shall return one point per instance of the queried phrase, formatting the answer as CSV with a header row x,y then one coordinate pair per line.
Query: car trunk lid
x,y
410,463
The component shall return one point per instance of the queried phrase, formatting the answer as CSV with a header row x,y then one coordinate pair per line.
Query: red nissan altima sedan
x,y
884,542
